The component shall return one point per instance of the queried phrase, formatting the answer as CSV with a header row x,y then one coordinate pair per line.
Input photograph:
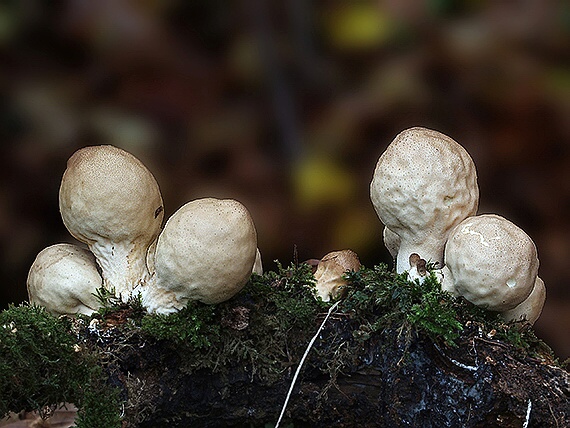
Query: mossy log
x,y
392,354
392,381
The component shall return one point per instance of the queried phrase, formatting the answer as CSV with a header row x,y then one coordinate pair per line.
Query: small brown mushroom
x,y
418,268
330,271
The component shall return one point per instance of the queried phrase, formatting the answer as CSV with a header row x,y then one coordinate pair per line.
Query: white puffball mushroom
x,y
530,308
206,252
491,262
391,242
424,184
258,264
64,278
329,274
109,200
446,281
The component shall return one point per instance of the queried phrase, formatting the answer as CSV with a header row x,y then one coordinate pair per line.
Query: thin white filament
x,y
528,410
331,309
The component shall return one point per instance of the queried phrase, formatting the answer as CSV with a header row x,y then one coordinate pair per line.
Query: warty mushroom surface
x,y
424,184
206,252
109,200
529,310
64,279
491,262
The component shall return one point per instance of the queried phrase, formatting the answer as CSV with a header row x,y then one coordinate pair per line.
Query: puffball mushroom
x,y
391,242
109,200
424,184
206,252
330,271
530,308
64,278
491,262
258,264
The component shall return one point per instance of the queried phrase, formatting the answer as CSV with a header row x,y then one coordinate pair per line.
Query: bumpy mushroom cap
x,y
491,262
531,308
330,271
424,184
109,200
64,279
206,252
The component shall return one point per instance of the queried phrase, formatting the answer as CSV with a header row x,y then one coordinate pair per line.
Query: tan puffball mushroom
x,y
258,264
206,252
490,262
329,274
424,184
530,308
109,200
391,242
64,278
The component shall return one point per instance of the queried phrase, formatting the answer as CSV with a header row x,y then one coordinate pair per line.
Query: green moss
x,y
392,300
194,326
42,364
100,404
380,298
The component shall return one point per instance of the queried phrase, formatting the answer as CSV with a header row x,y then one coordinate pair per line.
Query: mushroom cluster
x,y
425,192
111,202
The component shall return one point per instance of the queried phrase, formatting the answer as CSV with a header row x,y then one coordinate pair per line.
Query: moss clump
x,y
41,364
380,298
195,326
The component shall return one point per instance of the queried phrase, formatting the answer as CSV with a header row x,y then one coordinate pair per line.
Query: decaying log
x,y
395,379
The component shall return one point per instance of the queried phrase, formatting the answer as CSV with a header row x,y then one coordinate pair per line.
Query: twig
x,y
331,309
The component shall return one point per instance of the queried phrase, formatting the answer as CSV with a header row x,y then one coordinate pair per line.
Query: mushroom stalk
x,y
123,264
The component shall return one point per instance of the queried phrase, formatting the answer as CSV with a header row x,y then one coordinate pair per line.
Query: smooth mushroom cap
x,y
530,308
206,252
64,278
491,262
424,184
109,200
330,271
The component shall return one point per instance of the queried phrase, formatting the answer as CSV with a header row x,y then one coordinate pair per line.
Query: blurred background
x,y
286,106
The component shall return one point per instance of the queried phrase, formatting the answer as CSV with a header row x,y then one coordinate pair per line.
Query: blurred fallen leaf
x,y
358,26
